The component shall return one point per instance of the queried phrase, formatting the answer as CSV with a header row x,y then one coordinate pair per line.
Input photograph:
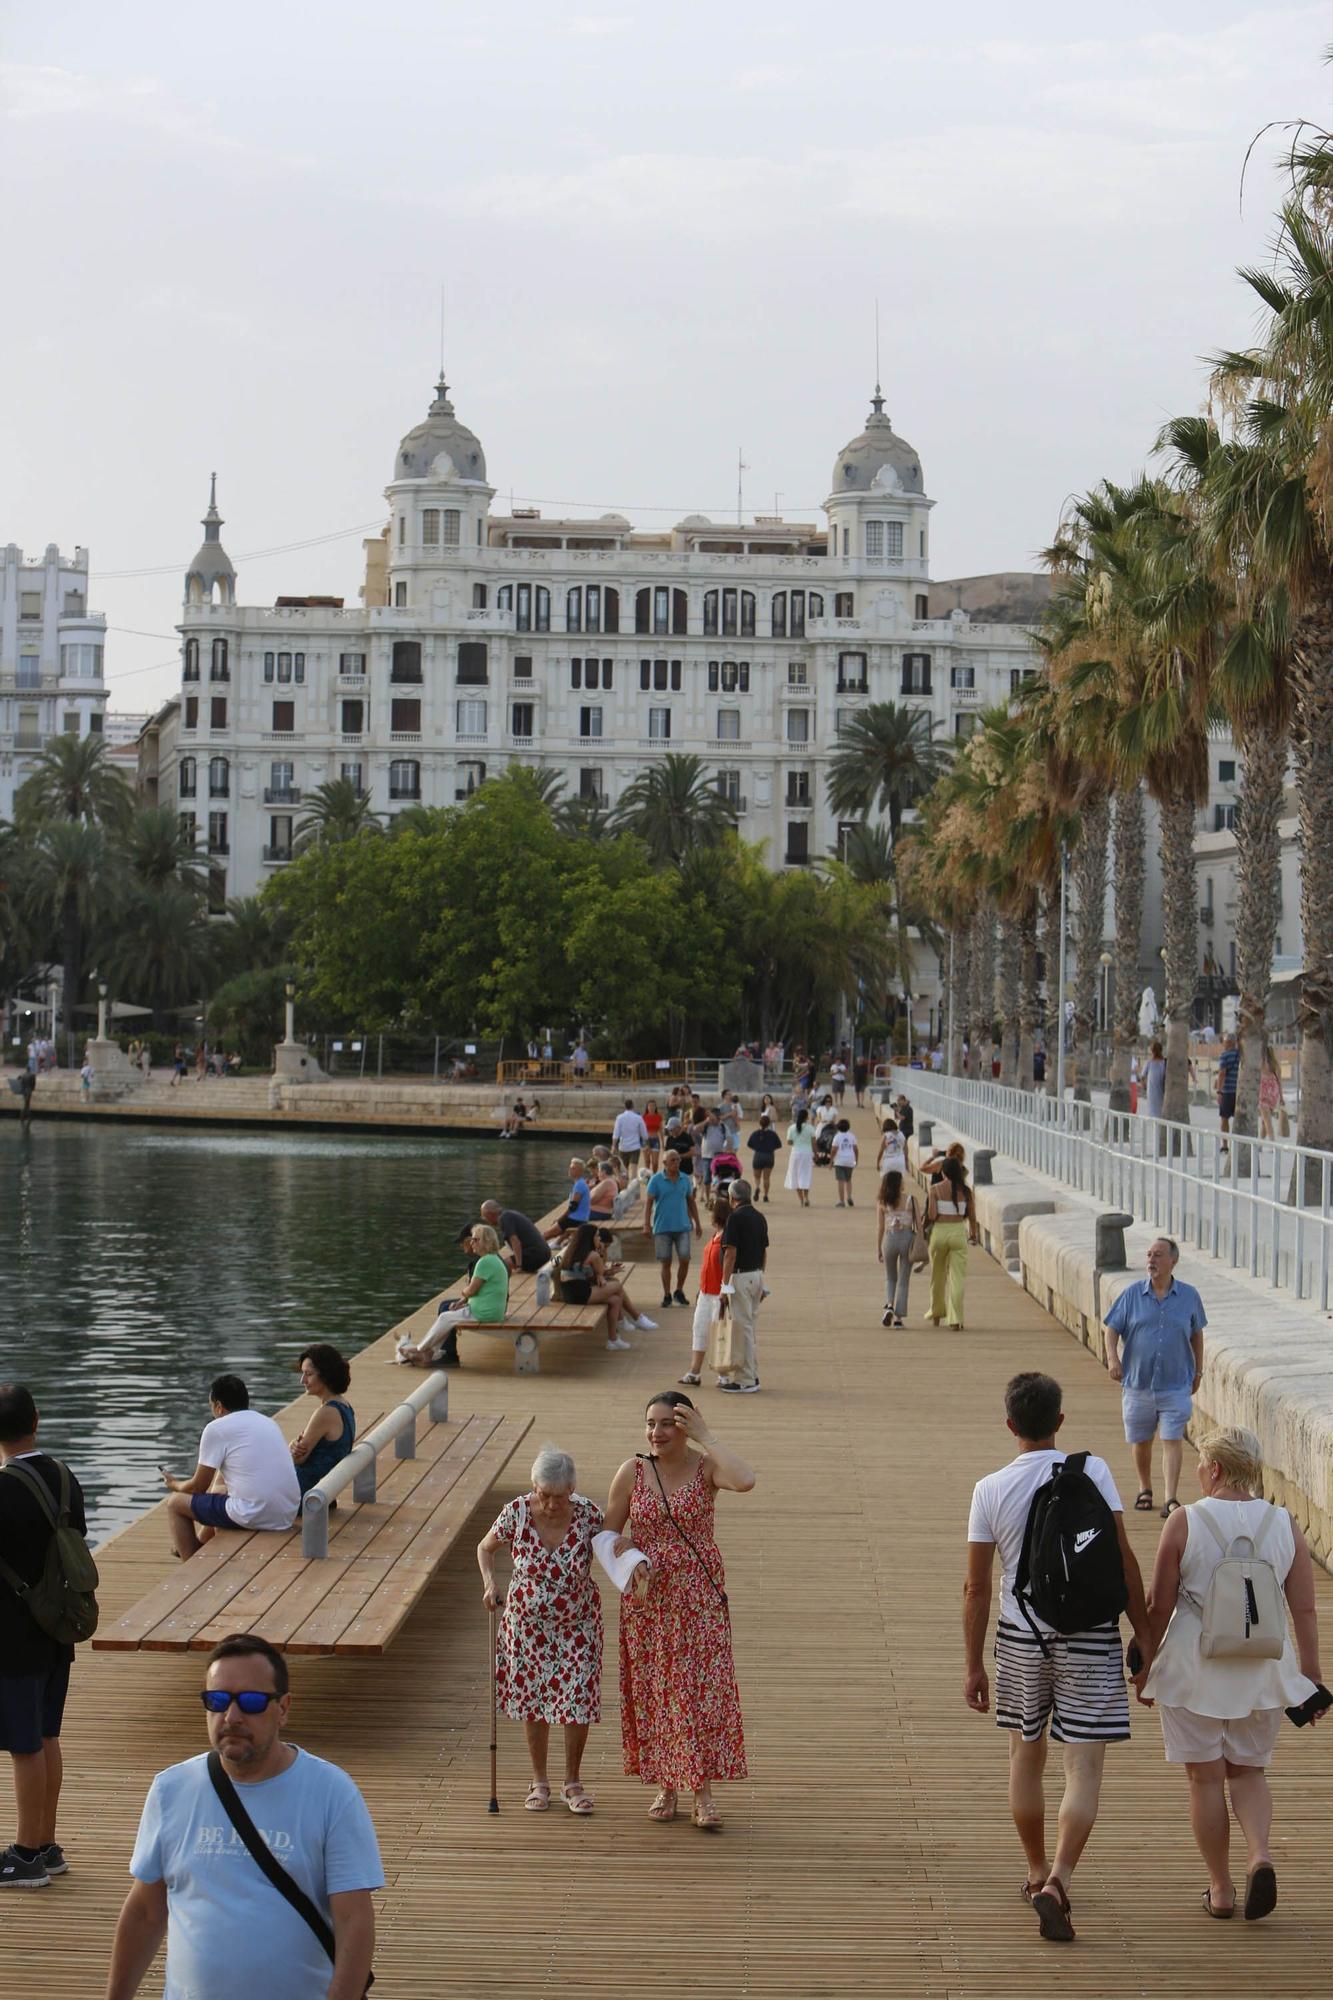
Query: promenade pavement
x,y
870,1853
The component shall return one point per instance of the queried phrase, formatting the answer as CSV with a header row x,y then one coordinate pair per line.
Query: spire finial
x,y
212,519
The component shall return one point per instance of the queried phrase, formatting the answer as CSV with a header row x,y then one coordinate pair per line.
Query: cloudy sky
x,y
660,232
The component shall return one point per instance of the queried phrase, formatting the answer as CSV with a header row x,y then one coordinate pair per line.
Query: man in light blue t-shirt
x,y
229,1931
669,1216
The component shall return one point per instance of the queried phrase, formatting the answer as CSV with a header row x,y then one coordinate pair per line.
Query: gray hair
x,y
740,1192
552,1467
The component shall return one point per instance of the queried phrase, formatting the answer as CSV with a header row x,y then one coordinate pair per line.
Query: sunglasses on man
x,y
250,1701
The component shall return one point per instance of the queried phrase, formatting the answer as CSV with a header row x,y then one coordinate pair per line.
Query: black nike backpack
x,y
1070,1572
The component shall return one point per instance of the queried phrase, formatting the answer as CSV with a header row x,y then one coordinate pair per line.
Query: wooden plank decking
x,y
870,1854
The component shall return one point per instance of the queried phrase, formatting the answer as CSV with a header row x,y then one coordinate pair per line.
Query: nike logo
x,y
1082,1539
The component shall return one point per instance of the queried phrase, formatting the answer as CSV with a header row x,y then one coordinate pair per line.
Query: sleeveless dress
x,y
1231,1689
548,1663
326,1452
680,1711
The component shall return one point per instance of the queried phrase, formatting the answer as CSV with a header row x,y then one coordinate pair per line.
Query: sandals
x,y
539,1796
693,1380
1051,1906
1260,1892
1143,1505
1212,1910
576,1798
1031,1889
1171,1507
707,1816
663,1807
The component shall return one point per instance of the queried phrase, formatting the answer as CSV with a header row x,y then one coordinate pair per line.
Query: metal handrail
x,y
1262,1206
357,1470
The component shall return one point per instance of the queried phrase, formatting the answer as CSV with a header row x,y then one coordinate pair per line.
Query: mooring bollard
x,y
925,1134
1109,1249
981,1173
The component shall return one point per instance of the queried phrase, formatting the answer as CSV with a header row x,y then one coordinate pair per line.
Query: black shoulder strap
x,y
291,1891
1076,1461
42,1492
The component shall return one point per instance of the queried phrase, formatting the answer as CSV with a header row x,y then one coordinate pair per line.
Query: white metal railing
x,y
1262,1206
357,1470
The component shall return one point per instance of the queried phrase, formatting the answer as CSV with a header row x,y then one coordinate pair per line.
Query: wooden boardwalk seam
x,y
871,1852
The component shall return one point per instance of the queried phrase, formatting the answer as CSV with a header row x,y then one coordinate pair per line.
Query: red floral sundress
x,y
548,1656
680,1709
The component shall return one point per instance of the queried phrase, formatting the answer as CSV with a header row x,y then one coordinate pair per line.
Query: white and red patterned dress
x,y
680,1711
548,1661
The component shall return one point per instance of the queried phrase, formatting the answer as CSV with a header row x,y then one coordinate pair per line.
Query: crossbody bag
x,y
717,1589
290,1891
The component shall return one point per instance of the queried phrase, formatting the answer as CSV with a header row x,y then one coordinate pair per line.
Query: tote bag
x,y
726,1352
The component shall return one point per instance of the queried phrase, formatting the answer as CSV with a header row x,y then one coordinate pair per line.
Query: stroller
x,y
823,1146
725,1169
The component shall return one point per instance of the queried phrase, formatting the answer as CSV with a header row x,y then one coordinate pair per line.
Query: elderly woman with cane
x,y
548,1664
679,1706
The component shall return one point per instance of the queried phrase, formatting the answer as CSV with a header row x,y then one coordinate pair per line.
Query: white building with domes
x,y
486,639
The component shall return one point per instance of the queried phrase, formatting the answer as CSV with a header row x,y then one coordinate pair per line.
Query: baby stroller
x,y
823,1145
726,1168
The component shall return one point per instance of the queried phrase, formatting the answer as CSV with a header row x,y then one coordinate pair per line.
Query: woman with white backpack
x,y
1230,1570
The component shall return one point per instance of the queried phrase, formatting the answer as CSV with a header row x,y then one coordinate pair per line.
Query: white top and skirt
x,y
801,1159
1197,1693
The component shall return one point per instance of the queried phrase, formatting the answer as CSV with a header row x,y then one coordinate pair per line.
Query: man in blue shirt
x,y
669,1215
229,1931
1154,1347
1228,1075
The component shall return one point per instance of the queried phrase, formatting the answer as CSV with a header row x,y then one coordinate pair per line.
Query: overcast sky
x,y
660,231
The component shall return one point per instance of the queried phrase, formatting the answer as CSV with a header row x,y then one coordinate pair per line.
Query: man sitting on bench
x,y
245,1477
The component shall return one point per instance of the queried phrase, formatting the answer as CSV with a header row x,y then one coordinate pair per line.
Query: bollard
x,y
981,1173
1109,1252
405,1444
925,1134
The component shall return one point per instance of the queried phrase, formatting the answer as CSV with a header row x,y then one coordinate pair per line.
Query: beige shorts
x,y
1200,1739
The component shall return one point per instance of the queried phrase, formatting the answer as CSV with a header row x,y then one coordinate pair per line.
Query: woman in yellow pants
x,y
952,1214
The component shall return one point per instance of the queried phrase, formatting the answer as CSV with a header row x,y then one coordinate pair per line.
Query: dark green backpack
x,y
62,1602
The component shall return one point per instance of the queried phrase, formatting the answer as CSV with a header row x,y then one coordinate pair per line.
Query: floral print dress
x,y
680,1710
548,1662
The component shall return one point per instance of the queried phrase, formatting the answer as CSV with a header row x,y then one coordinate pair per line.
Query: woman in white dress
x,y
1221,1715
801,1159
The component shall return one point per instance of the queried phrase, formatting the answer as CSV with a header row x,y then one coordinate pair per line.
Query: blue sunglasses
x,y
218,1700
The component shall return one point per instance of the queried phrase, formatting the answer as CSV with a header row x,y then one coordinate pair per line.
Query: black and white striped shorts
x,y
1079,1687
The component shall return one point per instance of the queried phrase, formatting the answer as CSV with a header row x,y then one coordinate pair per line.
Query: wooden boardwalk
x,y
870,1854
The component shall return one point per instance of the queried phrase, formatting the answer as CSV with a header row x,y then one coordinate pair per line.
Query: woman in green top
x,y
482,1299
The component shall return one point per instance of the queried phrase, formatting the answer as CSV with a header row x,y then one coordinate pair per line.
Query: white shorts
x,y
706,1309
1200,1739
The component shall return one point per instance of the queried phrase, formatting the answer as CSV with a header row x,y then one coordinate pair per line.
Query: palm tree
x,y
336,810
157,852
70,882
674,809
162,951
587,816
253,936
71,779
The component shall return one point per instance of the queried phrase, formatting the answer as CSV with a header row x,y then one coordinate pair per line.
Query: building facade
x,y
487,639
51,660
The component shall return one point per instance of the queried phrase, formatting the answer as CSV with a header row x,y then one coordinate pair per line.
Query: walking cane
x,y
494,1805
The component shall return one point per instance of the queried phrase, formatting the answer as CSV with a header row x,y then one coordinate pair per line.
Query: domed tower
x,y
212,568
438,494
877,506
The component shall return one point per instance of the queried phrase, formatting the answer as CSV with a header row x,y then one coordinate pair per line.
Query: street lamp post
x,y
1062,976
290,992
101,1010
949,1041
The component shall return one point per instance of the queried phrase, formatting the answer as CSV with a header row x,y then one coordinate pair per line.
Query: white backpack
x,y
1244,1610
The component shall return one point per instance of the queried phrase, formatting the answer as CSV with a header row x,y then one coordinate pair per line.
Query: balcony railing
x,y
727,743
853,687
739,805
798,805
282,736
522,742
966,697
398,736
351,738
219,847
282,795
471,736
352,680
399,797
277,854
795,691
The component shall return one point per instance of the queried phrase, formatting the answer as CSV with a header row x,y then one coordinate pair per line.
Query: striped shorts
x,y
1079,1688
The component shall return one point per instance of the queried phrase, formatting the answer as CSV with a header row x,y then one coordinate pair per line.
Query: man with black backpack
x,y
1068,1573
41,1613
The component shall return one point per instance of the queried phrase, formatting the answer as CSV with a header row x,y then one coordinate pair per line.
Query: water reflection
x,y
136,1265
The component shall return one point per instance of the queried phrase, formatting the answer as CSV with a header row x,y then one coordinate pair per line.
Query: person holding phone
x,y
1221,1715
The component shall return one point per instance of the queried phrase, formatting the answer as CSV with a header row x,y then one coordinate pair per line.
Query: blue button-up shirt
x,y
1155,1351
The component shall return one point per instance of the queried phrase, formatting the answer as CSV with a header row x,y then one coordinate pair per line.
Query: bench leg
x,y
527,1354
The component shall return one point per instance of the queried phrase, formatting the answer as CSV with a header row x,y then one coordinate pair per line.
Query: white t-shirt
x,y
844,1149
255,1461
893,1154
629,1134
1000,1504
839,1072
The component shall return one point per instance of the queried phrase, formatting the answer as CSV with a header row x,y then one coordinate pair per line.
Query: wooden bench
x,y
527,1324
381,1552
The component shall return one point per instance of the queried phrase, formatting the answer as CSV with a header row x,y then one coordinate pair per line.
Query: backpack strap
x,y
1201,1511
39,1489
1075,1461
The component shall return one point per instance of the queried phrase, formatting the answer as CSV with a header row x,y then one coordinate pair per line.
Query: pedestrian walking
x,y
629,1135
680,1710
843,1153
670,1213
1272,1101
764,1145
744,1255
801,1165
652,1125
232,1926
860,1077
1068,1680
1154,1077
1226,1668
899,1221
1154,1348
34,1664
708,1304
1228,1077
548,1662
951,1221
838,1079
892,1156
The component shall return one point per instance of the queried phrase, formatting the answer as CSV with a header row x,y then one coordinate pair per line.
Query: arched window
x,y
680,613
747,614
710,614
430,527
406,660
190,671
592,608
779,614
574,610
816,603
798,614
610,610
219,777
729,614
504,597
186,777
220,671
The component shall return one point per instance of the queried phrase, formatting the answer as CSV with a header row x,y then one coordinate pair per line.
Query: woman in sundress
x,y
680,1710
548,1665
